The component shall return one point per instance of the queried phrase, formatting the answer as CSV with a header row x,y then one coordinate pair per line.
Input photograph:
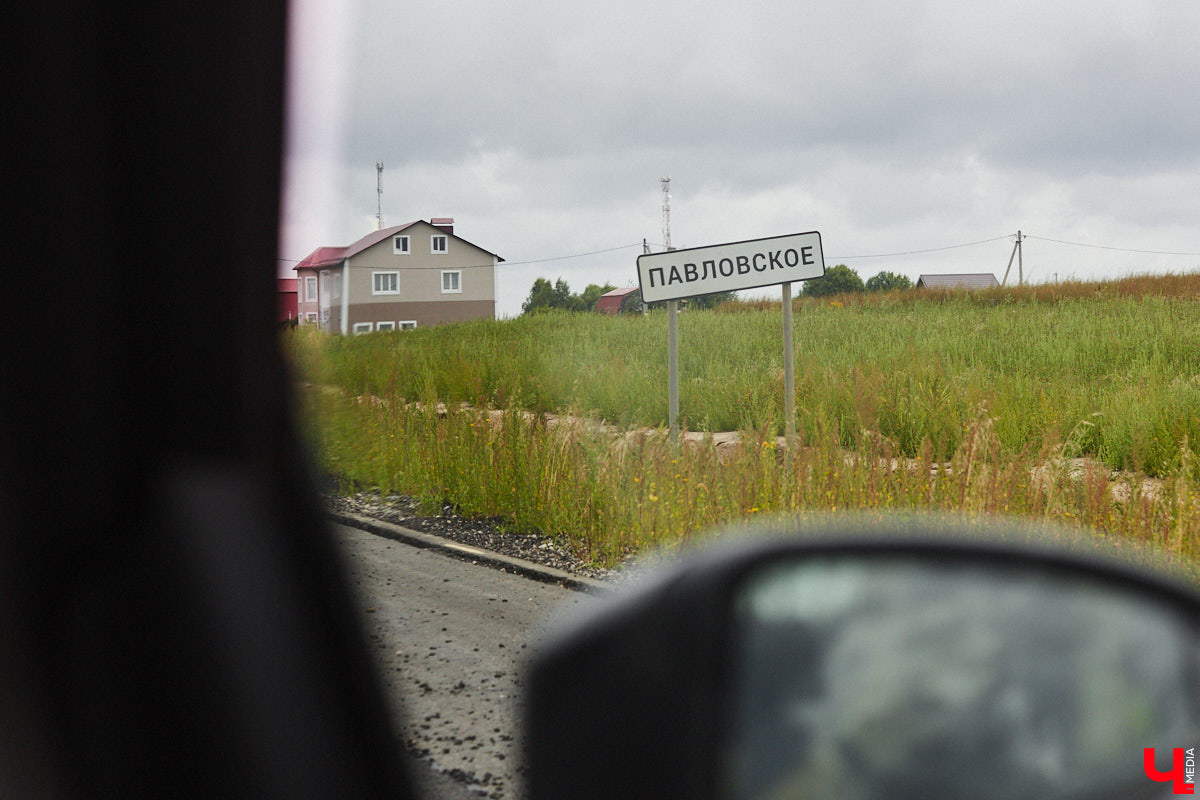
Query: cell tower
x,y
666,188
378,195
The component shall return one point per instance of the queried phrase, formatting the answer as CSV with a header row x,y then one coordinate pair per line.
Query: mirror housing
x,y
637,698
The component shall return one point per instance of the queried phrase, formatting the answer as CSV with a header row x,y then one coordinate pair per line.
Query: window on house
x,y
385,326
310,289
451,281
337,286
361,327
385,283
437,244
311,317
407,324
400,245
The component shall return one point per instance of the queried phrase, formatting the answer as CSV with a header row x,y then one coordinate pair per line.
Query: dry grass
x,y
1073,403
609,494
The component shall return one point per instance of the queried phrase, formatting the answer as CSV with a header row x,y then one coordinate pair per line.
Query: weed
x,y
939,401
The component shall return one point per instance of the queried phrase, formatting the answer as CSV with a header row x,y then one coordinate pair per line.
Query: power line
x,y
914,252
1106,247
911,252
831,258
576,255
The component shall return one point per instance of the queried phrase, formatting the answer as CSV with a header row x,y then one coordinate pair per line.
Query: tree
x,y
710,300
544,296
562,294
633,303
887,281
586,300
541,297
837,280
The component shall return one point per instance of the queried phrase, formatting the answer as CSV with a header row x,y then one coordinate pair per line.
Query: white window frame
x,y
433,244
396,249
385,325
458,281
375,290
337,285
407,324
310,289
361,327
311,316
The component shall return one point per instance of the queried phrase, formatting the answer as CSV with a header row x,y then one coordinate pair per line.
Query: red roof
x,y
321,257
326,256
610,302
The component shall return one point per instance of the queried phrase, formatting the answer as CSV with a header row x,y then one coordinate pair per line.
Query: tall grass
x,y
1046,403
610,495
1113,367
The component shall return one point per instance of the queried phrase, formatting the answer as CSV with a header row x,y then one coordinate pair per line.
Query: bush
x,y
710,300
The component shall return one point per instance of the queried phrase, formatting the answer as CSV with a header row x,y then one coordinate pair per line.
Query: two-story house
x,y
401,277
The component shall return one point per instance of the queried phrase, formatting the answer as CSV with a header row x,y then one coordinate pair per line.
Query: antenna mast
x,y
666,189
378,195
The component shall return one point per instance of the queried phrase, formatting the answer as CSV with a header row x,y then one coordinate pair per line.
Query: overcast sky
x,y
544,128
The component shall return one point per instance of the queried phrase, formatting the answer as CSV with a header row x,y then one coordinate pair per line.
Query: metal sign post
x,y
789,374
673,368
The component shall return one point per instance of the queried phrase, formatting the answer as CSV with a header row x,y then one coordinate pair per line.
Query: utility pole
x,y
1020,260
1018,254
672,326
378,195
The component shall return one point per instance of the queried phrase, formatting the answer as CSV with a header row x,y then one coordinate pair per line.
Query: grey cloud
x,y
932,116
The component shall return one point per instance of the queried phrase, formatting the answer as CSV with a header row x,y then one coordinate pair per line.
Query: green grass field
x,y
1000,385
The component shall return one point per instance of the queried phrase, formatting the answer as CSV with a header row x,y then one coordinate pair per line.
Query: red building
x,y
285,299
610,303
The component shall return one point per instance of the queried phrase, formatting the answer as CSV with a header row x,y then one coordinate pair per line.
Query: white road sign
x,y
673,274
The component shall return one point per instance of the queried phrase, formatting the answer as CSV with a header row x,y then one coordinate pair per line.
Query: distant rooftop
x,y
965,280
326,256
610,302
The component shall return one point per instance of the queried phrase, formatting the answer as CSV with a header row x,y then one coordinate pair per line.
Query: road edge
x,y
449,547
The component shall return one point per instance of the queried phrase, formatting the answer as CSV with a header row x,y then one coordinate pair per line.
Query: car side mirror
x,y
891,666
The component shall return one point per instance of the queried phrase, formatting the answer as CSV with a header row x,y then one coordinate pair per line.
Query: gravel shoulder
x,y
485,534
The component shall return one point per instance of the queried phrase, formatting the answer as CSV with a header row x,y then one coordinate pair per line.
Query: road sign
x,y
674,274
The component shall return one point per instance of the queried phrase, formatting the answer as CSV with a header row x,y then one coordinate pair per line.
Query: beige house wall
x,y
419,297
422,313
420,271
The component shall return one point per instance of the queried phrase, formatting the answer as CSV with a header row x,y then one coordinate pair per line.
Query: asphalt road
x,y
451,638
